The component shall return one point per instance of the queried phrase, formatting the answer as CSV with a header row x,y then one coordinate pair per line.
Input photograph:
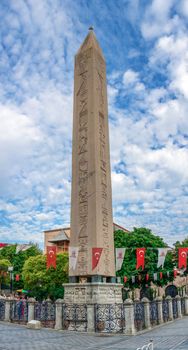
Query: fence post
x,y
169,299
31,309
146,312
129,327
59,314
178,298
186,305
160,309
7,310
90,318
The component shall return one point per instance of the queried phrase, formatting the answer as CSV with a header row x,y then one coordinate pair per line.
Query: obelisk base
x,y
93,293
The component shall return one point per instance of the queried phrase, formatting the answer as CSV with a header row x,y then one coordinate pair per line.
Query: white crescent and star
x,y
141,253
97,255
51,253
183,254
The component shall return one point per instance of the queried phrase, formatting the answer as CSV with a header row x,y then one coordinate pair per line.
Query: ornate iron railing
x,y
153,313
19,311
45,313
183,305
75,317
139,316
109,318
2,310
174,308
165,308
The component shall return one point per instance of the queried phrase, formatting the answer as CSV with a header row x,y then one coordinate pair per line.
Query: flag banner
x,y
125,279
22,247
73,257
160,275
2,245
147,276
155,276
96,254
161,256
175,273
133,279
51,256
140,255
120,253
17,278
182,257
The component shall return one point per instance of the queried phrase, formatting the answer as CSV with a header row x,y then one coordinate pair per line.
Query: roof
x,y
60,237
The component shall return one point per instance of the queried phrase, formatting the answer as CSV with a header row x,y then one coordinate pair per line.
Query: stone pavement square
x,y
171,336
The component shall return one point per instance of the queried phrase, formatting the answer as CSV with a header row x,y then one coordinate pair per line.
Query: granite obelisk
x,y
91,200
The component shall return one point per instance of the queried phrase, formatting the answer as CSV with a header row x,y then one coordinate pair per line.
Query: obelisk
x,y
91,200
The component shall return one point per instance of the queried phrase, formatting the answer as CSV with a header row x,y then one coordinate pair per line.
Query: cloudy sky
x,y
145,43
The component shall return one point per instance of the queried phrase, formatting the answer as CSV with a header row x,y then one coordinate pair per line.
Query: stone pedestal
x,y
93,293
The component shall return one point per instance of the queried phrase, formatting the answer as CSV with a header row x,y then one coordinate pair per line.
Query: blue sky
x,y
145,44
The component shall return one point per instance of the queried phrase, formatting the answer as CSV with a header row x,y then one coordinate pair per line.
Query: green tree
x,y
4,277
18,260
43,282
138,238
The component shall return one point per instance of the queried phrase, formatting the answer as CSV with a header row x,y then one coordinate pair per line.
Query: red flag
x,y
160,275
182,257
140,254
96,254
17,278
2,245
147,276
175,272
125,279
51,256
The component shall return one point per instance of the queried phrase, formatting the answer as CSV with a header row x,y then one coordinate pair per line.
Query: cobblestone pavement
x,y
172,336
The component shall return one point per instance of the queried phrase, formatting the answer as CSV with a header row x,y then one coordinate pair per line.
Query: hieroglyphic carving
x,y
104,192
82,96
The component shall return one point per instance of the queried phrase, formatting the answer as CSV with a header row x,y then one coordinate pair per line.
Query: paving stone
x,y
172,336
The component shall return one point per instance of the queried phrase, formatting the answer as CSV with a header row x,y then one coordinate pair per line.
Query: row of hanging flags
x,y
140,257
120,254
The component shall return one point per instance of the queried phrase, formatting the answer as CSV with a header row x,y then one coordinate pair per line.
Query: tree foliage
x,y
43,282
4,277
18,260
142,238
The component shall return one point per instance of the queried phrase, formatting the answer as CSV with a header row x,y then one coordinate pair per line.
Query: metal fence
x,y
75,317
19,311
139,316
109,318
174,307
154,313
165,308
45,312
2,310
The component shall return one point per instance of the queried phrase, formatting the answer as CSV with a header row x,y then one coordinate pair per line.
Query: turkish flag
x,y
140,255
17,278
96,254
182,257
2,245
147,276
175,273
51,256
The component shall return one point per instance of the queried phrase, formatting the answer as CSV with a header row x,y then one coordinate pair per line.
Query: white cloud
x,y
130,77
